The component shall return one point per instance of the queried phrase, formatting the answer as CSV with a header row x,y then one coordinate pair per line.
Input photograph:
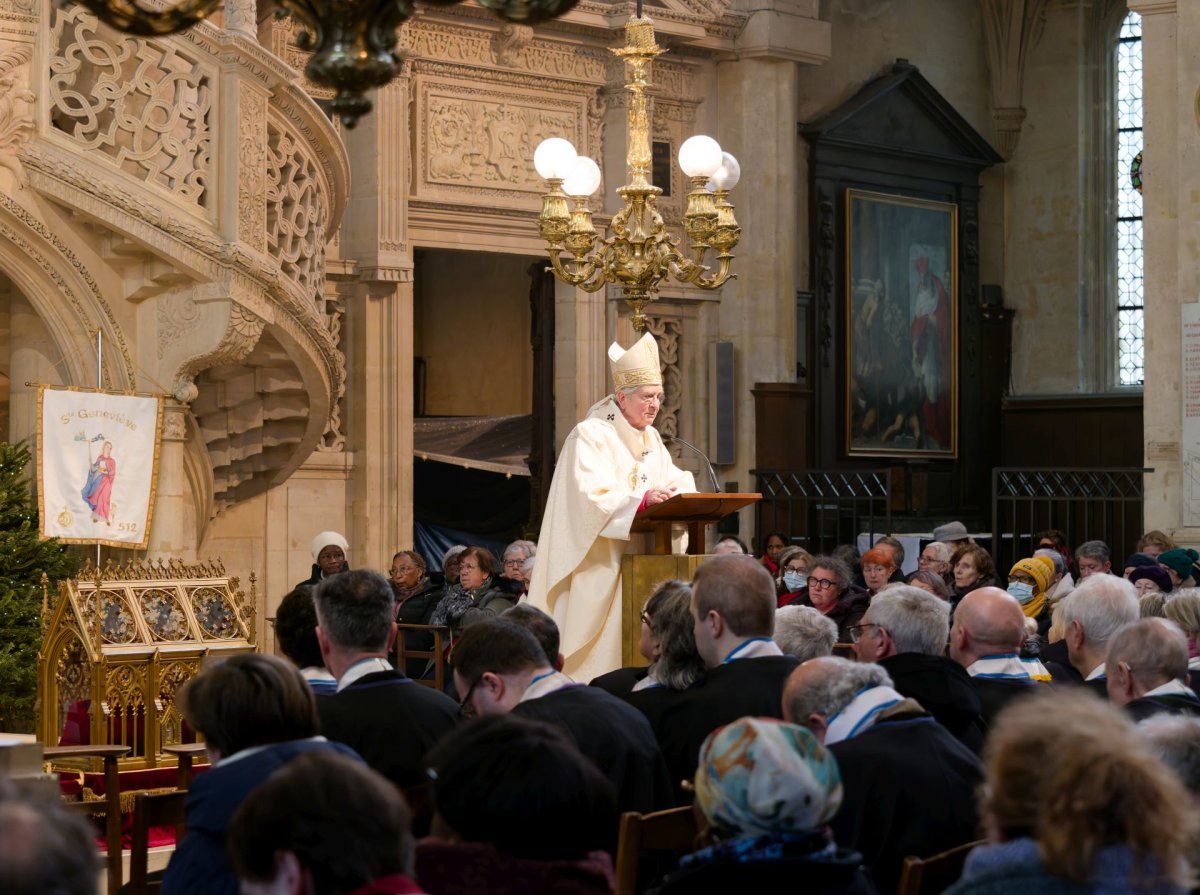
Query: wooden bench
x,y
112,799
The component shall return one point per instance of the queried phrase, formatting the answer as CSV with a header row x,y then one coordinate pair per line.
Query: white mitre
x,y
637,366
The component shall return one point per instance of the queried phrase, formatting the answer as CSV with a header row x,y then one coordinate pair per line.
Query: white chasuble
x,y
604,470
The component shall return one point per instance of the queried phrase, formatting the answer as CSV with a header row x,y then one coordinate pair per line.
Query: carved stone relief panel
x,y
333,439
16,103
475,144
668,331
295,212
252,173
144,105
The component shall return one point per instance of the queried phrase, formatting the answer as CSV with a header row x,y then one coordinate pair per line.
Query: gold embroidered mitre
x,y
637,366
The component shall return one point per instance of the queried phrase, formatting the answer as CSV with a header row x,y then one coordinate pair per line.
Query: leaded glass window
x,y
1130,304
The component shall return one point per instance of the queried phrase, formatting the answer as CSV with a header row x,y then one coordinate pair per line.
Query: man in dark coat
x,y
1091,614
500,667
909,786
733,605
384,716
986,640
905,632
1147,670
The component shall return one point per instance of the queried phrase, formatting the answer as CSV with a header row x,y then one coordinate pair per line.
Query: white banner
x,y
97,465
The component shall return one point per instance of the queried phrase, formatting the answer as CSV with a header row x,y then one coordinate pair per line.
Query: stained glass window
x,y
1128,171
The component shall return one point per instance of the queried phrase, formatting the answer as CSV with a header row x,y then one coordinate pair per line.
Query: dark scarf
x,y
763,847
457,601
403,593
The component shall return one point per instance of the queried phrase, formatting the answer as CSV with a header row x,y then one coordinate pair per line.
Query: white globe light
x,y
584,178
700,156
728,175
553,158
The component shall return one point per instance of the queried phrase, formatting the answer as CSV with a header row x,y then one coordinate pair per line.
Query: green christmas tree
x,y
25,558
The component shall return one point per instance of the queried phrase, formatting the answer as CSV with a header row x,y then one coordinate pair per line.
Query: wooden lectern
x,y
640,573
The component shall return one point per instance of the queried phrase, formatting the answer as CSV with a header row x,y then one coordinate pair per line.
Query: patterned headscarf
x,y
759,775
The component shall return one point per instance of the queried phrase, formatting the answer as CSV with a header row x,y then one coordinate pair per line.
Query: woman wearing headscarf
x,y
765,792
329,551
1028,581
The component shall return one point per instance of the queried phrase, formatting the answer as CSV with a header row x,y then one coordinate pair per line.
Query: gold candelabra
x,y
640,252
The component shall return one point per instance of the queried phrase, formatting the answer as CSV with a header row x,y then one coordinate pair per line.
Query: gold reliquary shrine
x,y
120,641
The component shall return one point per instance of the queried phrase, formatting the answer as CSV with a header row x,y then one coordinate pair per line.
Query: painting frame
x,y
901,301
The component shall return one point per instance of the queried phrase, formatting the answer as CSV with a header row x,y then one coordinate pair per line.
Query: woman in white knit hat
x,y
329,557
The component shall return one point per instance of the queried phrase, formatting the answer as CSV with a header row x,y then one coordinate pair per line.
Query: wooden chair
x,y
933,875
158,809
662,831
112,799
437,655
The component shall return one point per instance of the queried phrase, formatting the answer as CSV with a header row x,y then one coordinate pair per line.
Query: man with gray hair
x,y
904,631
1100,606
909,786
377,711
1061,583
1147,670
805,633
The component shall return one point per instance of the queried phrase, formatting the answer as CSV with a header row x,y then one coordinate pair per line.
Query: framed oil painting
x,y
901,326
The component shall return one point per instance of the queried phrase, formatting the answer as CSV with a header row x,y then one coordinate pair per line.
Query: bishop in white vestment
x,y
612,465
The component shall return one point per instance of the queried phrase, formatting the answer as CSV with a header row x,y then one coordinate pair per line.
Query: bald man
x,y
1147,670
986,639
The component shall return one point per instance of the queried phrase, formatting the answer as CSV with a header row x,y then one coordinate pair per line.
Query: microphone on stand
x,y
703,456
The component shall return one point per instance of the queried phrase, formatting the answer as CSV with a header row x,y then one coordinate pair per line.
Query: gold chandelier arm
x,y
586,274
128,16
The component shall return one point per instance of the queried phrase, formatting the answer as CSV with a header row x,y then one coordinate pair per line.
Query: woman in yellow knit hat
x,y
1028,581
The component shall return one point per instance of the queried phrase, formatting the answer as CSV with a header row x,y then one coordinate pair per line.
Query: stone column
x,y
580,362
1171,227
168,537
242,16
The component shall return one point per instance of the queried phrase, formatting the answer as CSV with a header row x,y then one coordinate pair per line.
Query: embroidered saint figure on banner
x,y
97,490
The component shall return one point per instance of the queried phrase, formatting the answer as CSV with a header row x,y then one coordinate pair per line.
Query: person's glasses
x,y
927,561
403,570
465,709
856,631
821,583
513,563
645,616
875,570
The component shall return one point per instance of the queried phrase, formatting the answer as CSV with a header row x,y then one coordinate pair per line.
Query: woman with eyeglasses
x,y
831,591
791,582
476,596
417,595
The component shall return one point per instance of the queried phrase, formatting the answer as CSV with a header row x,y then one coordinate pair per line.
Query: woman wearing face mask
x,y
791,582
1028,581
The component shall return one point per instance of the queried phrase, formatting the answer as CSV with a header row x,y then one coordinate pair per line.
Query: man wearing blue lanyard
x,y
733,613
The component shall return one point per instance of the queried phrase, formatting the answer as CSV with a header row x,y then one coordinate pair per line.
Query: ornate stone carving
x,y
511,40
145,105
251,169
16,105
332,439
174,319
1010,28
296,212
175,423
667,332
456,44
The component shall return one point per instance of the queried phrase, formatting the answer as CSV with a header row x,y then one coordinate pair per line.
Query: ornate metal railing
x,y
1085,504
821,508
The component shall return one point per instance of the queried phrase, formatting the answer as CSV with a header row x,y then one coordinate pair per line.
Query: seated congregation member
x,y
323,824
878,568
542,627
909,785
417,595
499,667
1028,583
511,563
518,810
904,632
766,791
1093,558
450,564
476,596
971,568
1150,580
774,544
986,639
1076,802
1184,609
931,582
622,681
896,550
1100,606
383,715
935,559
804,633
1154,543
1061,582
832,592
1178,564
1137,561
729,544
329,551
44,848
296,632
1175,739
733,613
1147,670
677,663
256,714
791,582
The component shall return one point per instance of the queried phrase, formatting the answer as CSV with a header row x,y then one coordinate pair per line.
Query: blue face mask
x,y
1021,590
794,581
